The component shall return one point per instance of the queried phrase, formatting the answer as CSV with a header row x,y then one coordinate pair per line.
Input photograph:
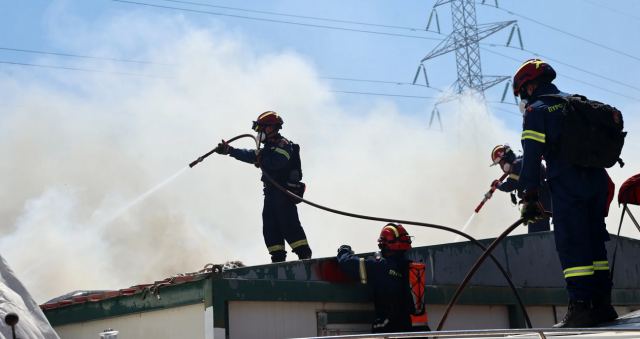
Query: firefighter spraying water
x,y
280,160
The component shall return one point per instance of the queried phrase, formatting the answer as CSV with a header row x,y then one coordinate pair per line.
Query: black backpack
x,y
591,134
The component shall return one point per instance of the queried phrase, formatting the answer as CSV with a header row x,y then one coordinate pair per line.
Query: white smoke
x,y
78,147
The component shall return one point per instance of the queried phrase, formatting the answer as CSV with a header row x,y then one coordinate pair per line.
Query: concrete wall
x,y
174,323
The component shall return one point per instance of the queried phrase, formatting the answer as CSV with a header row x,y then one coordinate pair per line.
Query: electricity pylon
x,y
464,40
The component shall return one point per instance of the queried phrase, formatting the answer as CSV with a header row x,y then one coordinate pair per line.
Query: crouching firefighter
x,y
280,159
396,282
511,165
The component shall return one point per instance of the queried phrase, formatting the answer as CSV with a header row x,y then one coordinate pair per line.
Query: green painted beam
x,y
170,296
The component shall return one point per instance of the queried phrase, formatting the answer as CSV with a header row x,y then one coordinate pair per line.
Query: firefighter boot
x,y
278,256
303,252
579,315
602,310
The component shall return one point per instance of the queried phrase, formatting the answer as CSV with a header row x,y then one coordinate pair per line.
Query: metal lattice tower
x,y
465,41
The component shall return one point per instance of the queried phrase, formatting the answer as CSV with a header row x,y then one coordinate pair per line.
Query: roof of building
x,y
144,290
530,260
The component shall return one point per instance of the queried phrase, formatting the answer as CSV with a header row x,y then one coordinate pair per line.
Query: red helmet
x,y
501,152
532,69
268,118
394,237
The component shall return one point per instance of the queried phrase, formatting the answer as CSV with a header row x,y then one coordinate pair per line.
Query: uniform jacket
x,y
389,280
541,129
275,160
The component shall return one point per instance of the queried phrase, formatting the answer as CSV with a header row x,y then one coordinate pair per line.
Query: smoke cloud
x,y
80,148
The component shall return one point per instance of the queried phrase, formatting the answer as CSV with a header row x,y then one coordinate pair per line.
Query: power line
x,y
384,94
274,13
409,96
399,83
505,111
345,29
74,55
571,66
424,98
278,21
413,29
568,77
570,34
80,69
593,3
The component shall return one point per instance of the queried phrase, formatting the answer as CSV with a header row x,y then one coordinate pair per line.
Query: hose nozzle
x,y
197,161
204,156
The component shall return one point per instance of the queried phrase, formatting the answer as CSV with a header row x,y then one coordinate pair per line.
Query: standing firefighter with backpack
x,y
280,159
578,138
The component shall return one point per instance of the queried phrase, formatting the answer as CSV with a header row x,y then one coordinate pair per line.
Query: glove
x,y
532,209
258,158
345,248
495,184
223,148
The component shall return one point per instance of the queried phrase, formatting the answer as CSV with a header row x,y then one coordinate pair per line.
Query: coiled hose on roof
x,y
486,251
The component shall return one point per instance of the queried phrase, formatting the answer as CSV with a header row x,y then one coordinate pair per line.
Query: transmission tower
x,y
465,41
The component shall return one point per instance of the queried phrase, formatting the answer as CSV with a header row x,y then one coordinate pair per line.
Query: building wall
x,y
173,323
276,320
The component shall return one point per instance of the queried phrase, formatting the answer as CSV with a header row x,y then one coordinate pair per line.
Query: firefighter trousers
x,y
280,222
579,200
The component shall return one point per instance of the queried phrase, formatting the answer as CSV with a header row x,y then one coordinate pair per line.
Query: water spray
x,y
486,252
487,196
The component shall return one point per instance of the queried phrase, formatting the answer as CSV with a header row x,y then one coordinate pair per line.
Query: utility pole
x,y
464,40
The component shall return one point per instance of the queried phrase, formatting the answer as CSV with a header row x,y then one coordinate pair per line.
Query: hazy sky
x,y
162,86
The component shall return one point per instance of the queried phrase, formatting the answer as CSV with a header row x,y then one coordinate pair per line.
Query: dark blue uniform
x,y
280,220
513,184
579,198
389,281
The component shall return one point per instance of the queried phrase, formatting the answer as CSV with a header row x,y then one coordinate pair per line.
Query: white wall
x,y
174,323
276,320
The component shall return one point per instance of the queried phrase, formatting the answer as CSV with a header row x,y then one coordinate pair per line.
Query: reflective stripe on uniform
x,y
578,271
514,176
275,248
533,135
601,265
363,271
298,243
283,152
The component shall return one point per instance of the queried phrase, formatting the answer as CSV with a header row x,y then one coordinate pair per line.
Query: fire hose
x,y
489,194
486,251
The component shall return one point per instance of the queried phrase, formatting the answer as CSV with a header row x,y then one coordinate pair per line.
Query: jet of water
x,y
466,225
143,196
